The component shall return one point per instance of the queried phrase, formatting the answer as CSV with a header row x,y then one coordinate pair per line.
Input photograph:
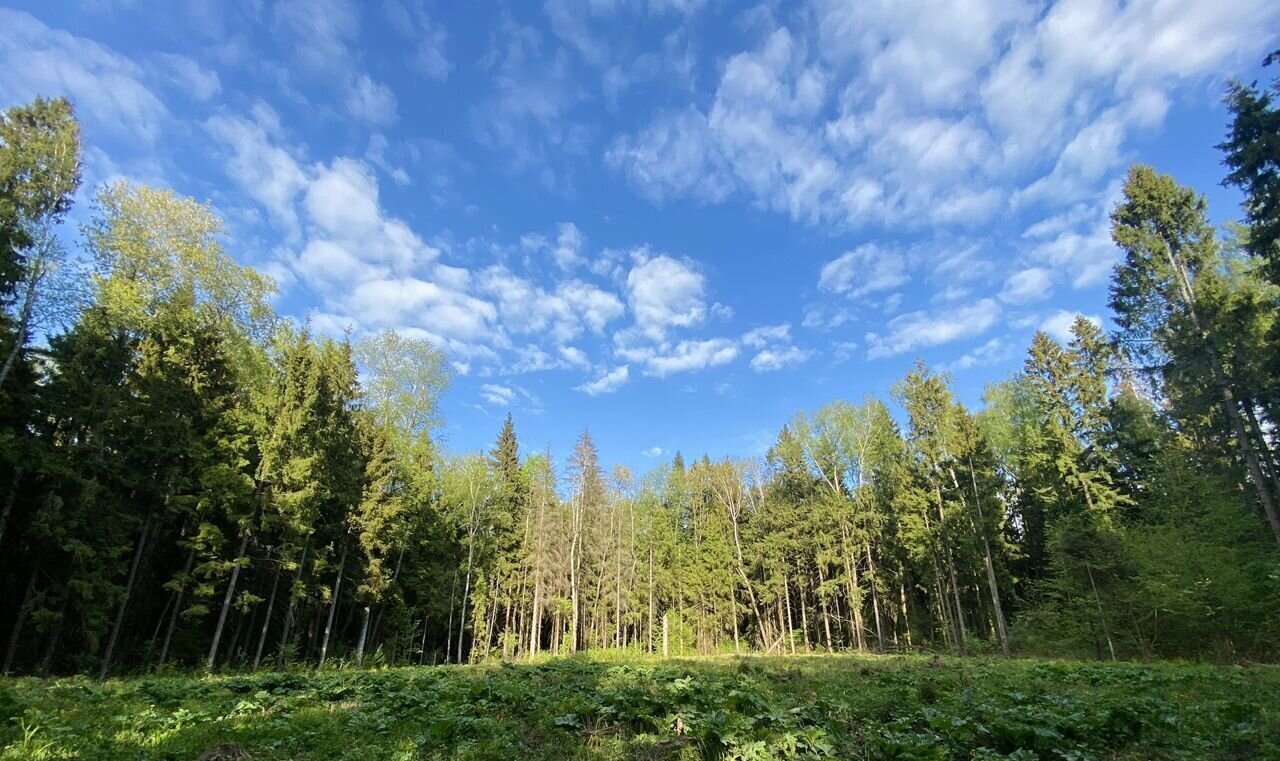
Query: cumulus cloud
x,y
653,452
268,173
769,360
607,383
907,113
569,243
663,293
757,338
917,330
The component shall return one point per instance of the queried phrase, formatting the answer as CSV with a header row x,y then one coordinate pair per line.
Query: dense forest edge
x,y
189,481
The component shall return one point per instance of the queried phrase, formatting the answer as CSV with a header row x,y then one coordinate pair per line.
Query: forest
x,y
191,482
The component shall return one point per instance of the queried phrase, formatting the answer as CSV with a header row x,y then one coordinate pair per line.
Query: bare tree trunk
x,y
665,635
448,638
364,634
791,627
466,593
998,609
872,579
804,618
535,617
822,599
333,606
1102,618
24,323
266,619
124,603
906,616
651,602
177,605
227,600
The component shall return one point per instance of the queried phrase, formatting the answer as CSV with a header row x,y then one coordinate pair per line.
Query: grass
x,y
899,707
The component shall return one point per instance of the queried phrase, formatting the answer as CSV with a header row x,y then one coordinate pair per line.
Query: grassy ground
x,y
902,707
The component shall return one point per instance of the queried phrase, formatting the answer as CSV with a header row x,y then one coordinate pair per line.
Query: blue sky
x,y
677,222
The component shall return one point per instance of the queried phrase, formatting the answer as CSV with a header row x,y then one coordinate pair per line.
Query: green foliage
x,y
884,708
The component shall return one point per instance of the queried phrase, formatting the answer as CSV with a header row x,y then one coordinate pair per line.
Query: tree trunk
x,y
227,600
872,580
124,603
1229,403
266,619
1102,618
665,636
24,323
364,633
466,592
1001,628
651,602
448,637
791,627
177,605
826,614
333,606
804,618
906,616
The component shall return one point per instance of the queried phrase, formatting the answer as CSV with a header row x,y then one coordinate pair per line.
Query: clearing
x,y
886,707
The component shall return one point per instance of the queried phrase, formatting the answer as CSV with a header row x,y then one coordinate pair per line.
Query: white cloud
x,y
916,330
574,356
371,101
561,314
777,358
683,356
674,156
1059,323
427,305
653,452
323,262
1026,286
664,293
606,383
1087,256
269,174
343,198
497,396
569,243
105,87
866,269
989,353
189,77
908,114
757,338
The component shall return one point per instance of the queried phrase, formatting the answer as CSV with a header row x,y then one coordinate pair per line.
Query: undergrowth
x,y
901,707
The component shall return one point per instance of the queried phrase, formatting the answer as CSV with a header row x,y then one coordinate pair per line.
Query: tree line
x,y
188,480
